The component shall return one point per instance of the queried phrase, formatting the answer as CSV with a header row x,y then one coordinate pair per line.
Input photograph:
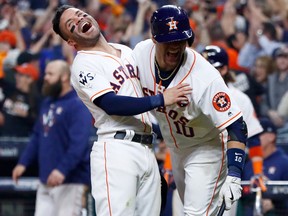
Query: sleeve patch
x,y
221,102
85,79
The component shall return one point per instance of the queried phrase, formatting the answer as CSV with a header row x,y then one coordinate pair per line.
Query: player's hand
x,y
177,94
55,178
230,191
259,181
17,172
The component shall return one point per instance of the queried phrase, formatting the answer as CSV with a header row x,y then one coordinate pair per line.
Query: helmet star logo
x,y
172,24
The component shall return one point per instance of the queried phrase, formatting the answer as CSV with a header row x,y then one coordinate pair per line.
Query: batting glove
x,y
231,191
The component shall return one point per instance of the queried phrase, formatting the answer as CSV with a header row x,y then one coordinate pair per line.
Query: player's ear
x,y
154,41
65,77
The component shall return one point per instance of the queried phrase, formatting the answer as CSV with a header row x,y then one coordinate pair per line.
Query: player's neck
x,y
162,67
102,46
107,48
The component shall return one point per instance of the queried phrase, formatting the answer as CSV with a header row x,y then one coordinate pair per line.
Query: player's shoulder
x,y
202,69
146,44
124,49
85,59
238,93
120,46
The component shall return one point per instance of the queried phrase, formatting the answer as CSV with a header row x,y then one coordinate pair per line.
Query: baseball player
x,y
218,57
192,129
124,171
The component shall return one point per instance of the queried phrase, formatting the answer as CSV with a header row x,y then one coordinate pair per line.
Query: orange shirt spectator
x,y
7,41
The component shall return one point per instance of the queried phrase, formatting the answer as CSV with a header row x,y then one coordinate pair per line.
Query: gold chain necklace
x,y
158,71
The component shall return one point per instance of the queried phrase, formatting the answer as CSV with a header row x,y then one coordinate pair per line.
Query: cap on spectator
x,y
28,69
8,37
26,57
268,126
281,51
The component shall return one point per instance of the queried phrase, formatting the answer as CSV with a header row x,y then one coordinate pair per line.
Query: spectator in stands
x,y
7,43
275,166
243,80
141,25
49,47
11,34
24,57
277,86
20,106
283,106
234,28
28,57
262,68
262,39
60,145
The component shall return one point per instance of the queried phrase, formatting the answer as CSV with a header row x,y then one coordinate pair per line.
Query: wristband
x,y
236,159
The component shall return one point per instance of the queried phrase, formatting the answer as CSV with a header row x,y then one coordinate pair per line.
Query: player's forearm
x,y
120,105
236,158
237,133
236,144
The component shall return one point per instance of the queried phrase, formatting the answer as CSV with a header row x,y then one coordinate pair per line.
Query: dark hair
x,y
269,28
216,32
56,20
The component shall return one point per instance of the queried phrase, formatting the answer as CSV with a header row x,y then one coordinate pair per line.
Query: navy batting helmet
x,y
217,56
171,23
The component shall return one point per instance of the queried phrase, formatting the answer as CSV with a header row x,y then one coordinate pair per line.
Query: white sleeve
x,y
249,116
219,105
90,81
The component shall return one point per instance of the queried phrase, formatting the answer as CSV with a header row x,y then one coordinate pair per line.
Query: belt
x,y
144,139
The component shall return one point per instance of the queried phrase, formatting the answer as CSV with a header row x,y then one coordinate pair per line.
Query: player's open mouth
x,y
85,27
173,54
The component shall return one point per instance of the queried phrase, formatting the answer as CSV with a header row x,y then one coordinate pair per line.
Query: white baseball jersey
x,y
210,109
125,176
103,73
249,115
192,129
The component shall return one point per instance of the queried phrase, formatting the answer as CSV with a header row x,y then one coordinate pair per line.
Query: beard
x,y
91,42
88,41
52,90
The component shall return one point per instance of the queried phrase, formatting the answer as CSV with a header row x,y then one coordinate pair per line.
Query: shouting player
x,y
192,129
124,172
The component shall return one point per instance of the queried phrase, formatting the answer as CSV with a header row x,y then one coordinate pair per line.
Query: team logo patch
x,y
221,102
85,78
172,24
